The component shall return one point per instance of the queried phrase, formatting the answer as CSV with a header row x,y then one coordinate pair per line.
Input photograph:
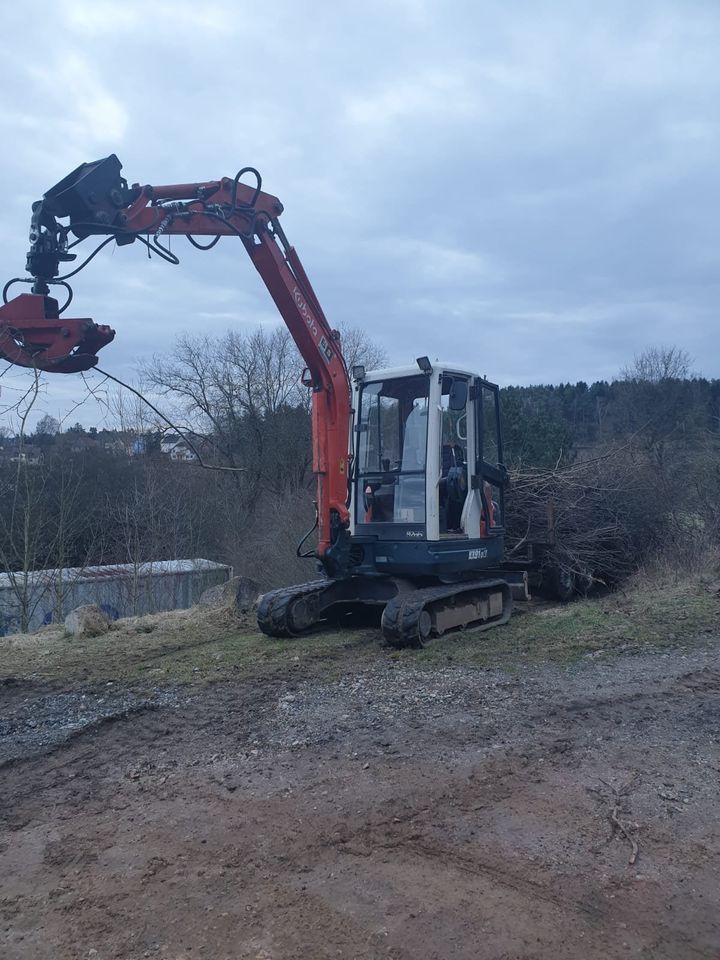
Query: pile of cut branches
x,y
594,513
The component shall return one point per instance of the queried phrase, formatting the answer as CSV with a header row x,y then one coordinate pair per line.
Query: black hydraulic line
x,y
243,236
258,188
85,262
11,282
313,528
160,250
69,289
203,246
58,282
106,228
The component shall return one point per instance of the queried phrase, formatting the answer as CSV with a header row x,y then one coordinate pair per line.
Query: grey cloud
x,y
530,188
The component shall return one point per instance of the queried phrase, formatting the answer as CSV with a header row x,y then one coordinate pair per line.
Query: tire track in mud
x,y
414,846
439,858
317,856
409,839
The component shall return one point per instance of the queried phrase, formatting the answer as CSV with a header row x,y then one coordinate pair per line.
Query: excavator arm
x,y
95,200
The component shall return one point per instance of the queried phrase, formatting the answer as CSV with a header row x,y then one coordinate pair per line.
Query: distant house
x,y
116,447
29,454
8,449
179,450
168,442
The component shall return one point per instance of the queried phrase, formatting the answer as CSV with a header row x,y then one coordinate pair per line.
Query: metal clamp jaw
x,y
33,334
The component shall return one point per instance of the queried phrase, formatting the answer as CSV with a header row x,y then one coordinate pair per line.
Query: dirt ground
x,y
355,804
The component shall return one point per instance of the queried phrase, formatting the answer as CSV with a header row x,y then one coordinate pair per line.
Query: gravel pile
x,y
390,703
390,697
38,724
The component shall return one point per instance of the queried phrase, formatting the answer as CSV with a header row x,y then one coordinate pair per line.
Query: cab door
x,y
455,450
484,512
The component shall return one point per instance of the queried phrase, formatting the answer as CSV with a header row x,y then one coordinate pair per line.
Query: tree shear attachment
x,y
33,334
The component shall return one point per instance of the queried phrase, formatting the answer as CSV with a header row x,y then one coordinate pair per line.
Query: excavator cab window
x,y
490,460
453,485
392,451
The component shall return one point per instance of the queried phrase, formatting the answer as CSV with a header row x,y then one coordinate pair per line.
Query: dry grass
x,y
657,609
689,559
180,646
618,624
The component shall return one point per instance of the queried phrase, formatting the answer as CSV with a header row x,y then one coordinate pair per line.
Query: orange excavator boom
x,y
95,200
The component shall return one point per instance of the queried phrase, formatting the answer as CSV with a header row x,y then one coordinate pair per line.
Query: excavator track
x,y
289,611
410,617
414,617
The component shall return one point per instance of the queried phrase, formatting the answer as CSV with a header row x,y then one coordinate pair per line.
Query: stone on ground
x,y
87,621
237,595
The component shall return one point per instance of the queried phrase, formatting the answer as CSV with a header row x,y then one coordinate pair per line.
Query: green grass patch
x,y
196,648
618,623
172,648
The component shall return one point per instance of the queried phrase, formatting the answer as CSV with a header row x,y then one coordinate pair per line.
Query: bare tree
x,y
21,530
47,426
656,364
217,381
140,533
42,519
130,415
359,348
243,391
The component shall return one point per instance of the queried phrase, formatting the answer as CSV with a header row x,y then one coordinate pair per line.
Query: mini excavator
x,y
408,461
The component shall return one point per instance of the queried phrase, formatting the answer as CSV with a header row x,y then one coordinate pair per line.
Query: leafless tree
x,y
41,520
129,414
47,426
216,381
656,364
243,391
359,348
139,533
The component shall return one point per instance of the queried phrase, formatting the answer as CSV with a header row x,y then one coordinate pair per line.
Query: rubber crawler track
x,y
274,607
401,616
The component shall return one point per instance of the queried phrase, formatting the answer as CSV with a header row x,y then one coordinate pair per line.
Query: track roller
x,y
410,619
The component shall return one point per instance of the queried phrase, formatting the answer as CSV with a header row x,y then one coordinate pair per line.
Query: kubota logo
x,y
307,316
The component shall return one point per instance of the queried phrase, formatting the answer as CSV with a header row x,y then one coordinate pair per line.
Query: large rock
x,y
87,621
237,595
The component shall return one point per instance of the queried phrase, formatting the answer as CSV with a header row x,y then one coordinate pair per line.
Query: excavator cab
x,y
428,479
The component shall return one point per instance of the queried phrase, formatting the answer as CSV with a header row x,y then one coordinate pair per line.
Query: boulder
x,y
237,595
87,621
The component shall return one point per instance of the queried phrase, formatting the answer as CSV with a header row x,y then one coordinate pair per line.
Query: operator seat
x,y
453,485
410,490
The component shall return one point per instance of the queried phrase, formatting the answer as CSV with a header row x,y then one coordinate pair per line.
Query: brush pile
x,y
601,515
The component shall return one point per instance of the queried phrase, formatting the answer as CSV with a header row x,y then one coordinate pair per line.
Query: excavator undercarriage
x,y
411,614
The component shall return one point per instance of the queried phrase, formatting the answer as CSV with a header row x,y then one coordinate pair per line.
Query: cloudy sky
x,y
531,187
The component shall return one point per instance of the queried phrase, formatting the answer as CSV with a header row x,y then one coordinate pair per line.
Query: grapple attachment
x,y
33,334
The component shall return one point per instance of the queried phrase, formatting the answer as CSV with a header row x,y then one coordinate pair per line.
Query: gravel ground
x,y
394,812
39,722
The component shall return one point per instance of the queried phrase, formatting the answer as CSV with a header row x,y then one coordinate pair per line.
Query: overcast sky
x,y
529,187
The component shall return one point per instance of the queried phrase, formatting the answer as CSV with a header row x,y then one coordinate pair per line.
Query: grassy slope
x,y
189,646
